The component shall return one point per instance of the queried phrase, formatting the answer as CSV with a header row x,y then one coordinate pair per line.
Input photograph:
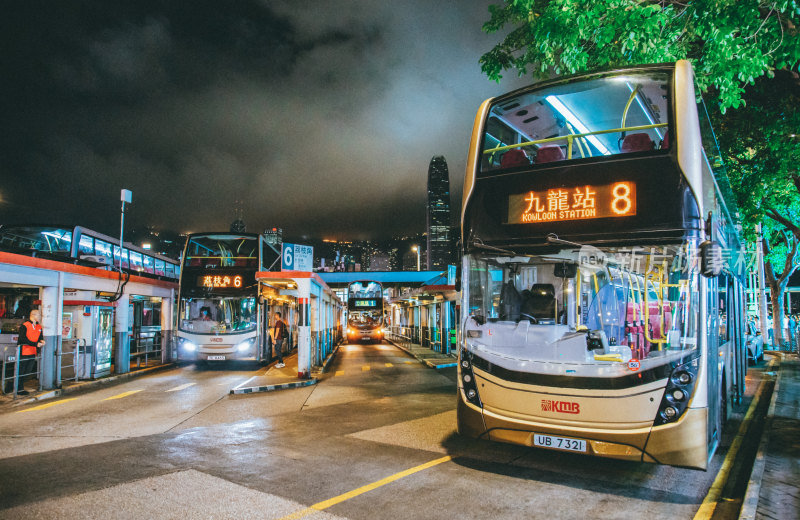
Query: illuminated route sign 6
x,y
576,203
220,281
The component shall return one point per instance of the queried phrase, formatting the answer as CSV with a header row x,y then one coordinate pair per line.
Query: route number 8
x,y
622,203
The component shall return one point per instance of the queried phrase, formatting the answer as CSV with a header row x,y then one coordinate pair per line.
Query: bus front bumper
x,y
682,443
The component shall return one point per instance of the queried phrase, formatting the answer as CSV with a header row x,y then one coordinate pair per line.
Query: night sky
x,y
319,117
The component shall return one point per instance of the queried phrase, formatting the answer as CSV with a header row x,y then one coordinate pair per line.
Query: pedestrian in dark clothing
x,y
30,341
279,336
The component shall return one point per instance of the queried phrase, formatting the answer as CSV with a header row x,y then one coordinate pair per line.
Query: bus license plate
x,y
559,443
216,358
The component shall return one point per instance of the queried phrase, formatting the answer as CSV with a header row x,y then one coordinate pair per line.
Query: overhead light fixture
x,y
572,118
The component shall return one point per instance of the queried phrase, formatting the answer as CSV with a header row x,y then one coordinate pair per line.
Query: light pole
x,y
416,249
125,196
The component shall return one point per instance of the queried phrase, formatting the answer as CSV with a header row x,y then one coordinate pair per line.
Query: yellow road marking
x,y
319,506
339,373
187,385
389,365
48,405
409,362
709,504
365,368
123,394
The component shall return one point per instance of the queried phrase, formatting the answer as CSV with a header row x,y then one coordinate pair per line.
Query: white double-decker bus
x,y
597,316
221,316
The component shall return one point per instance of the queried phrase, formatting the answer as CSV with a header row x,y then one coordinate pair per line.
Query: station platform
x,y
273,378
426,356
774,488
72,387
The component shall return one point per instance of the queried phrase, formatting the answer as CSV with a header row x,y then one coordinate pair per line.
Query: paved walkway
x,y
774,490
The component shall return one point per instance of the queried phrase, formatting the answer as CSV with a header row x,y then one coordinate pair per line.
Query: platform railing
x,y
11,372
146,347
401,335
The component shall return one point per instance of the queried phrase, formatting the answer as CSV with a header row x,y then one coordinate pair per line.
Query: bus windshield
x,y
218,315
584,306
610,114
222,250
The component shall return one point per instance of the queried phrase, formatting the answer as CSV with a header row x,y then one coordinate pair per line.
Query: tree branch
x,y
791,226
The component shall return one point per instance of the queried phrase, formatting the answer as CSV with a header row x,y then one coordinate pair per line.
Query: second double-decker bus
x,y
597,318
220,314
365,311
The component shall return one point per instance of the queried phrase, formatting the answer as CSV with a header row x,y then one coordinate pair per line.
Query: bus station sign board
x,y
297,257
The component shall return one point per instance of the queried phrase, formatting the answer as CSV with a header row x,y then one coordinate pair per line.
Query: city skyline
x,y
319,121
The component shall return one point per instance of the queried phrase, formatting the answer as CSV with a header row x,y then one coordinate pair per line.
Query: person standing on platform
x,y
279,335
30,340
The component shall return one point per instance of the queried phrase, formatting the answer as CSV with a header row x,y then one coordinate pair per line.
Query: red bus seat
x,y
513,158
550,153
639,142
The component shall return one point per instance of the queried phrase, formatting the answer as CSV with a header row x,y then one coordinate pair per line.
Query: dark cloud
x,y
320,117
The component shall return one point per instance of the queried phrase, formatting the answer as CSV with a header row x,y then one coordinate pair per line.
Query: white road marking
x,y
187,385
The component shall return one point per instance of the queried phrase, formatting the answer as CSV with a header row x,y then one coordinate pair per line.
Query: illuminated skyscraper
x,y
438,214
274,236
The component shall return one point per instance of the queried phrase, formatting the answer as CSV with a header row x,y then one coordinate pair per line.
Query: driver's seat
x,y
540,302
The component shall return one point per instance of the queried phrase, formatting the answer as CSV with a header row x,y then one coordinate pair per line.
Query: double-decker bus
x,y
597,315
364,311
221,316
79,245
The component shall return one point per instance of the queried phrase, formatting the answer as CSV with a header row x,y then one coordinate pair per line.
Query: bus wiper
x,y
552,238
480,245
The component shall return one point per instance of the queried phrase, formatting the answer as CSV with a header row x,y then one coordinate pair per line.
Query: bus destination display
x,y
220,281
576,203
366,303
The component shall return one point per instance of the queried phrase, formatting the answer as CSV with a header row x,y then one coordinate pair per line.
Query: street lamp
x,y
416,249
125,196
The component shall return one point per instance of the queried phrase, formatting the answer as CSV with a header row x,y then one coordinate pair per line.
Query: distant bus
x,y
83,246
597,317
220,315
365,311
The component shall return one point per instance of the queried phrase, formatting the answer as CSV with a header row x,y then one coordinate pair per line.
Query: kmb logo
x,y
560,406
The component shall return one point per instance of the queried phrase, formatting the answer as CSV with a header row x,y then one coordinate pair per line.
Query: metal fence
x,y
147,349
15,369
404,336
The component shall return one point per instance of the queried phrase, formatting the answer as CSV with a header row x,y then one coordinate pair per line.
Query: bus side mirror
x,y
710,259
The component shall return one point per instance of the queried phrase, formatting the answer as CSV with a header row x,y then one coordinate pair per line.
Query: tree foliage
x,y
730,43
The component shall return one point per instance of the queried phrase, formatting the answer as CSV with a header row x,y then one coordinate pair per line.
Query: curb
x,y
272,388
750,501
329,359
423,360
90,385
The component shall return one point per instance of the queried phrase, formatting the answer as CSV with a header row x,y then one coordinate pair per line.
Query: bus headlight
x,y
678,392
245,345
188,346
468,379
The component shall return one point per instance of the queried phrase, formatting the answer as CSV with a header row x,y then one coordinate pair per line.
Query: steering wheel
x,y
530,318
